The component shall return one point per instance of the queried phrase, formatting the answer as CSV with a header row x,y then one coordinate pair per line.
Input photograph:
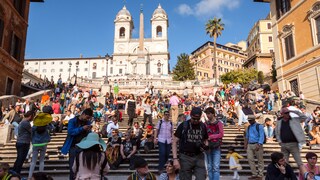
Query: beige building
x,y
296,31
13,33
230,57
260,47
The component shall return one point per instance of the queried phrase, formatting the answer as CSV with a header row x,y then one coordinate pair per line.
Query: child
x,y
234,162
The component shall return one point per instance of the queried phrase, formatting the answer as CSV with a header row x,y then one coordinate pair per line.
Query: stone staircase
x,y
56,164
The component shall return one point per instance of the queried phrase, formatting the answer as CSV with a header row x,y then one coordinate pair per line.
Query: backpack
x,y
257,128
161,124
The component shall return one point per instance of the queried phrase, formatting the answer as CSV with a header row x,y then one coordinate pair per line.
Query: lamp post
x,y
70,64
107,59
77,65
196,60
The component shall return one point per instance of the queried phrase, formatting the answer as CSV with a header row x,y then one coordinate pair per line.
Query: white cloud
x,y
208,7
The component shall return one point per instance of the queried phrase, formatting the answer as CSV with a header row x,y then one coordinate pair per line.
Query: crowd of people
x,y
194,137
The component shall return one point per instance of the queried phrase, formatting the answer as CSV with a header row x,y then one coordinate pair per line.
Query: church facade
x,y
143,56
131,57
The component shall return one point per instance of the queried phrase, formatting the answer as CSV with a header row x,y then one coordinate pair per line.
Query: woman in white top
x,y
147,111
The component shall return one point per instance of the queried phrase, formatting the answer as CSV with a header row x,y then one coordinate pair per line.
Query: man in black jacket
x,y
278,169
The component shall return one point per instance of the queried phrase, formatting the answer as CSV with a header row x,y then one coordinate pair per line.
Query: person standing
x,y
174,102
130,109
215,133
78,128
91,162
289,134
253,143
192,137
40,138
23,141
163,136
147,111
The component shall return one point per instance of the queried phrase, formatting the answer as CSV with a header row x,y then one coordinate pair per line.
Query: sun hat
x,y
42,119
91,140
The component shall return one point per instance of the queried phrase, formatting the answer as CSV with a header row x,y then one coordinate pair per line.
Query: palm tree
x,y
214,28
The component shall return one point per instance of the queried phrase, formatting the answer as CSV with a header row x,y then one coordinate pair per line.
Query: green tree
x,y
214,28
260,77
242,76
184,69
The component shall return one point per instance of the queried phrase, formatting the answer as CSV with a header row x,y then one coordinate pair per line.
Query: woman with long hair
x,y
91,162
130,109
315,135
147,111
113,150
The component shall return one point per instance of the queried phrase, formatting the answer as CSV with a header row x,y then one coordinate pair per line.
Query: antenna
x,y
124,2
141,9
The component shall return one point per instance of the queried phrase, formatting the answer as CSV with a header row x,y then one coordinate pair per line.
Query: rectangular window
x,y
44,70
269,25
9,86
36,70
60,70
15,47
317,20
120,71
295,86
102,68
289,46
85,69
61,62
1,31
282,7
270,38
52,70
36,63
52,62
111,70
20,6
44,63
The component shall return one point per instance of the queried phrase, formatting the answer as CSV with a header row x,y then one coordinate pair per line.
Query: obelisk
x,y
141,61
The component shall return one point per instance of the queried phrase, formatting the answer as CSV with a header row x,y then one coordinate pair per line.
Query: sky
x,y
68,28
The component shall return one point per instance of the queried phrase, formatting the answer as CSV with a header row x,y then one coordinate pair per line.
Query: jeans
x,y
268,131
164,152
22,152
35,152
16,128
145,117
213,160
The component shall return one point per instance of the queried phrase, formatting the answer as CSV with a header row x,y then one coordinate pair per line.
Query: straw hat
x,y
91,140
42,119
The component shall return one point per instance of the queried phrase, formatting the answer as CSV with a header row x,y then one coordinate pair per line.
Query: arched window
x,y
122,32
159,31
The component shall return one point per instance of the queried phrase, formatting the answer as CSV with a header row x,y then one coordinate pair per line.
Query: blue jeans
x,y
16,128
164,152
22,152
213,160
268,131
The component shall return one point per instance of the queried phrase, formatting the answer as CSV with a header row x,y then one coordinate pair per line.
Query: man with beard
x,y
78,128
193,140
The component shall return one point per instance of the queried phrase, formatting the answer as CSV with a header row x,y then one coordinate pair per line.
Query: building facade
x,y
260,47
230,57
130,58
13,32
296,30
